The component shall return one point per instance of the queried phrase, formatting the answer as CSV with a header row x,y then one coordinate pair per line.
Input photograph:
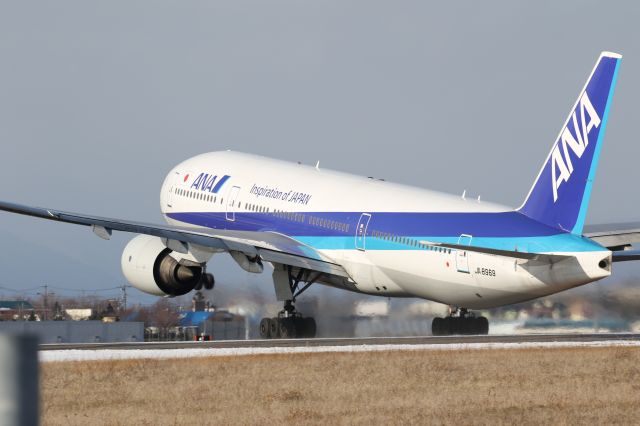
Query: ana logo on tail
x,y
561,165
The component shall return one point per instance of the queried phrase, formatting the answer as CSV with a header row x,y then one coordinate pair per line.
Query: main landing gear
x,y
207,282
459,321
289,323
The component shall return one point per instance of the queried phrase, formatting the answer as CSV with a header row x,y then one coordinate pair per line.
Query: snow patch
x,y
121,354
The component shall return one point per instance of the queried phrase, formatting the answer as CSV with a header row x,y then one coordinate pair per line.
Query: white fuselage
x,y
381,232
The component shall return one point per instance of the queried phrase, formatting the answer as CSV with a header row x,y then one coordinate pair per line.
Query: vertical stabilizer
x,y
560,195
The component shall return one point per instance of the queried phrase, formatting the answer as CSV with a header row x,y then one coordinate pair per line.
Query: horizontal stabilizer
x,y
614,236
625,255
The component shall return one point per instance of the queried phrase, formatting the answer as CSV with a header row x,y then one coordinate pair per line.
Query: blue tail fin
x,y
560,195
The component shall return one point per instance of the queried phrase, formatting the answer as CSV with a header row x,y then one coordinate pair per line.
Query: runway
x,y
369,341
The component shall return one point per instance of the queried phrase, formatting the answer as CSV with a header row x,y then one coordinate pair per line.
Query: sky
x,y
99,100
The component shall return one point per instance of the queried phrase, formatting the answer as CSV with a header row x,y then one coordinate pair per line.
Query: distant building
x,y
16,310
79,314
213,325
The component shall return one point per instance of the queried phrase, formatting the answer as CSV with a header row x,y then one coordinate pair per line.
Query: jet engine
x,y
151,267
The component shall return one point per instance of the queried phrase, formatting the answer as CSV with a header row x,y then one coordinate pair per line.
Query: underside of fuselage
x,y
475,280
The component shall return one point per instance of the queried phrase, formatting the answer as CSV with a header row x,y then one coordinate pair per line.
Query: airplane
x,y
375,237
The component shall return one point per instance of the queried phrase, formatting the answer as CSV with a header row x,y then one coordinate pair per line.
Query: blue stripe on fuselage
x,y
551,243
505,231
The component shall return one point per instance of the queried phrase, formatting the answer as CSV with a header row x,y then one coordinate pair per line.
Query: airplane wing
x,y
270,246
614,236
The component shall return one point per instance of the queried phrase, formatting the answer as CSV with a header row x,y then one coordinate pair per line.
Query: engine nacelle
x,y
149,266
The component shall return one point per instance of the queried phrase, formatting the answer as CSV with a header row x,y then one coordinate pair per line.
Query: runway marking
x,y
122,354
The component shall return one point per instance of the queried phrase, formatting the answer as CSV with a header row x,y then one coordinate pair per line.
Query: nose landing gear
x,y
459,321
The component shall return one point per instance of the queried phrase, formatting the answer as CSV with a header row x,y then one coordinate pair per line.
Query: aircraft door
x,y
361,231
173,188
462,256
232,201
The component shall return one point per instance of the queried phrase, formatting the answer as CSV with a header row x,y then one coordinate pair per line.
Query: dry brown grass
x,y
559,386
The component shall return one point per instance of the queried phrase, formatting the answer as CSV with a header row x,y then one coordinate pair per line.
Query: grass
x,y
524,386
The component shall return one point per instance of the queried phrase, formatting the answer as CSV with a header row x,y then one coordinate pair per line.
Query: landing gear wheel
x,y
298,326
459,322
274,328
208,281
437,326
483,325
286,327
265,326
447,326
309,327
